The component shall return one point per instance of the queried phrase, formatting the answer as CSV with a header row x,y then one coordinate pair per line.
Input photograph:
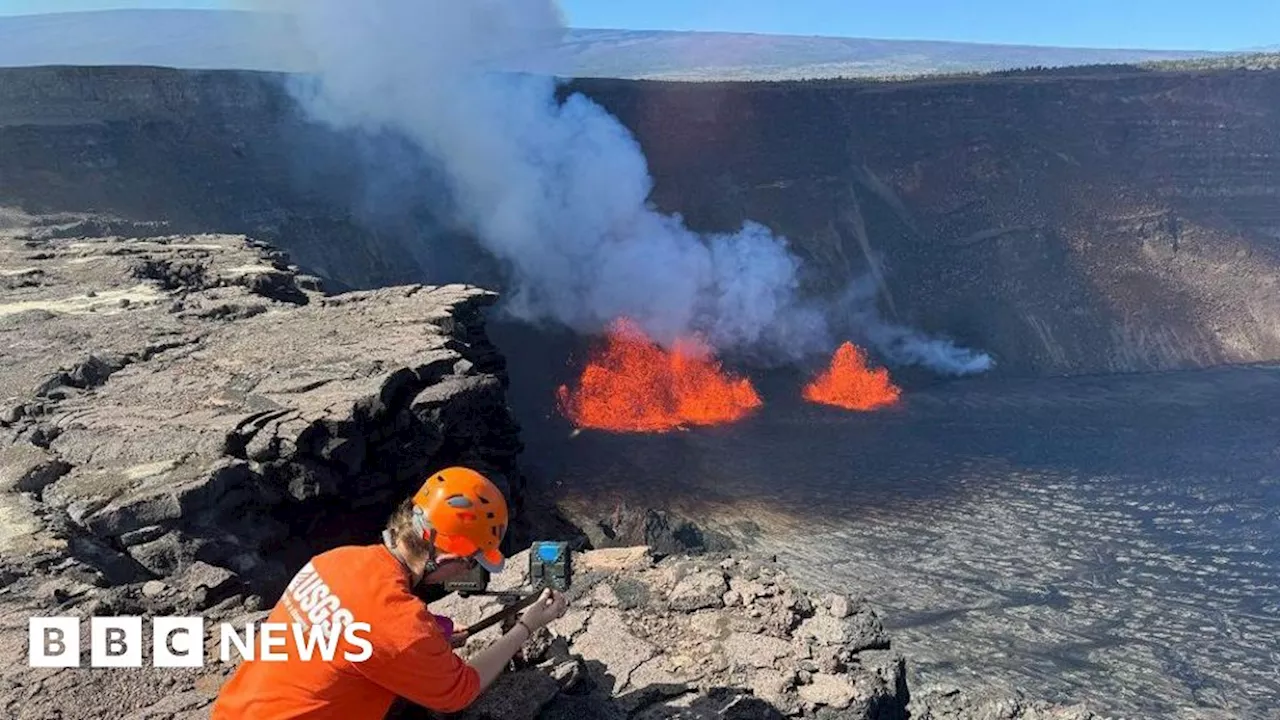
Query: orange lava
x,y
634,385
850,384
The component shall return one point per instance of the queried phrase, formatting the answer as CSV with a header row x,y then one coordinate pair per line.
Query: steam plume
x,y
557,191
903,345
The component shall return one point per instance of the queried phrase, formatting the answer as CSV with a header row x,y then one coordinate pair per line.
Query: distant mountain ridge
x,y
707,55
224,39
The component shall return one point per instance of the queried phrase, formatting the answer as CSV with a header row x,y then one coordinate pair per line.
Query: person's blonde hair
x,y
403,530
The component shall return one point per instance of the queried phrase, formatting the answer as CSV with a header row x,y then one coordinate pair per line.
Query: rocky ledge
x,y
694,636
185,419
715,635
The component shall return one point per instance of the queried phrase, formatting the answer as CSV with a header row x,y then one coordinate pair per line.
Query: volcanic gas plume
x,y
634,385
849,383
558,190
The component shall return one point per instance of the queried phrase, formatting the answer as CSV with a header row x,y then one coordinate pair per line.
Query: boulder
x,y
571,675
154,588
828,690
862,630
28,468
206,584
519,695
748,590
776,688
839,606
663,532
163,556
703,589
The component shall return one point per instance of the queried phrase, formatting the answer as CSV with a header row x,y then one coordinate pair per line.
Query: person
x,y
455,520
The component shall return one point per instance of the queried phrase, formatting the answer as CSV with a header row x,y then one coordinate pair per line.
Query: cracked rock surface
x,y
184,417
666,657
780,651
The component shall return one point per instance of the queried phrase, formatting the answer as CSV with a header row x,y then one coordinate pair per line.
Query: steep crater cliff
x,y
177,402
1069,222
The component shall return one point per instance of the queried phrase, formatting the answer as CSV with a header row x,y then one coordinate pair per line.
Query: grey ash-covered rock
x,y
949,703
186,418
683,652
169,432
766,649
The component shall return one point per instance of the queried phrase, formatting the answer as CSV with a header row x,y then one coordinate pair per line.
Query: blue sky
x,y
1159,24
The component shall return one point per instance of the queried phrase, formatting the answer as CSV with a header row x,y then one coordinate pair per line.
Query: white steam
x,y
903,345
558,191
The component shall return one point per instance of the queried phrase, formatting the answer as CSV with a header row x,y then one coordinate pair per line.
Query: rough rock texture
x,y
178,409
665,656
628,526
776,652
955,704
185,418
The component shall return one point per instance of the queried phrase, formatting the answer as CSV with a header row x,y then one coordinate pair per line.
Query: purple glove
x,y
446,626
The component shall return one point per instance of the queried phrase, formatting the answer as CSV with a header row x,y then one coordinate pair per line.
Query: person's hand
x,y
549,606
459,637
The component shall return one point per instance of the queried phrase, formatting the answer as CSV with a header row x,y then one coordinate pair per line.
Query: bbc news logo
x,y
176,642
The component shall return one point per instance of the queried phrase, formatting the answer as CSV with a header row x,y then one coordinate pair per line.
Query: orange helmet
x,y
463,513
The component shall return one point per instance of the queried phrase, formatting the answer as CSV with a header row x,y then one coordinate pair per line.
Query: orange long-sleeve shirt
x,y
411,657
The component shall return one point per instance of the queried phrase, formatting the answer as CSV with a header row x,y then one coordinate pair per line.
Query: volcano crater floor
x,y
1103,539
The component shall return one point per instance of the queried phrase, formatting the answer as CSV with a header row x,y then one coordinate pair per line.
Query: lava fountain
x,y
849,383
632,384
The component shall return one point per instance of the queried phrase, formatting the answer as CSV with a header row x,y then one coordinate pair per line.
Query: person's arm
x,y
413,659
490,661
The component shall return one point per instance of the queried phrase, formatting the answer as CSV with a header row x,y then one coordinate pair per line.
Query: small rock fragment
x,y
829,690
206,584
839,606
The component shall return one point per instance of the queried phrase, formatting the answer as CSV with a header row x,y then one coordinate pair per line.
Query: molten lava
x,y
850,384
634,385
